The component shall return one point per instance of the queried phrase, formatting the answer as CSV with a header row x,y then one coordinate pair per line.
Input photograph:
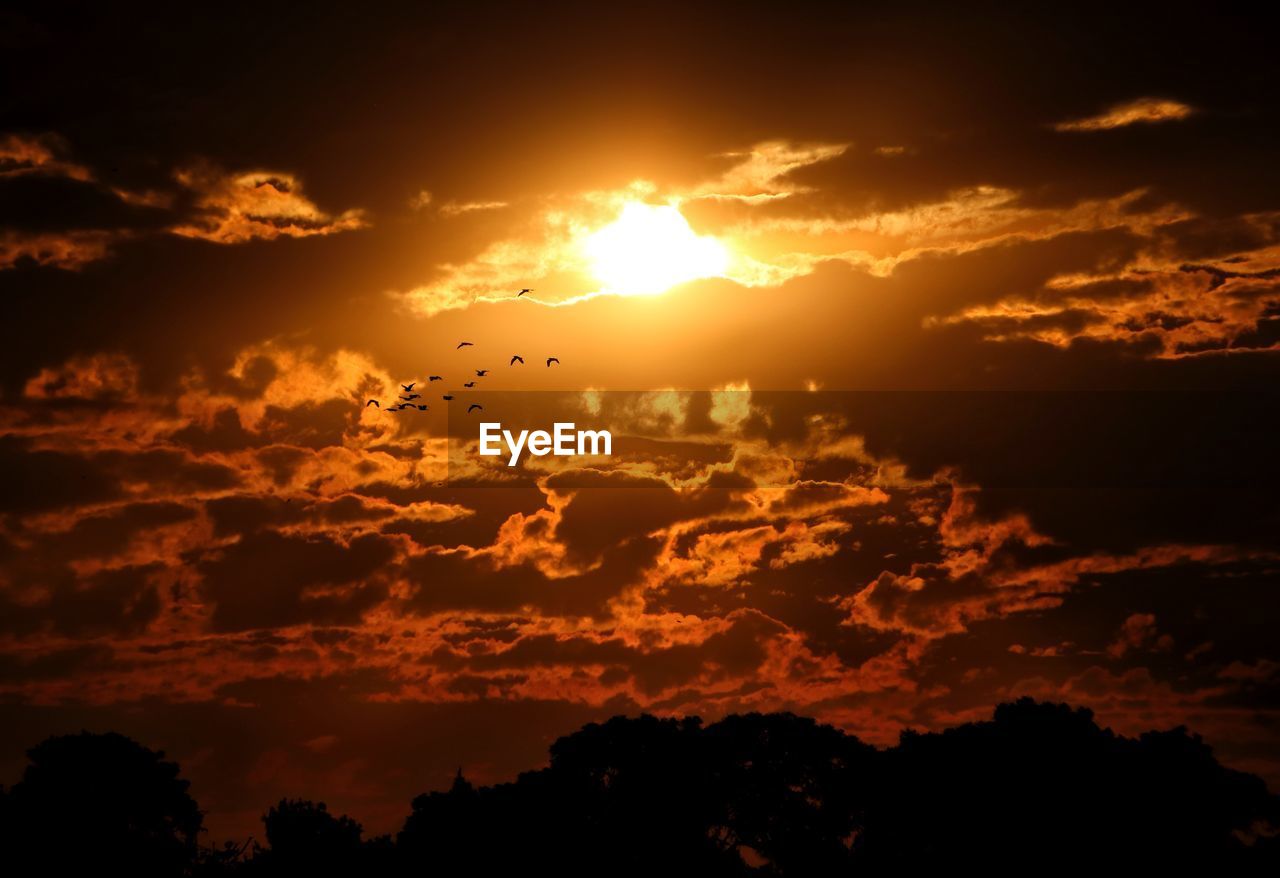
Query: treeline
x,y
1039,788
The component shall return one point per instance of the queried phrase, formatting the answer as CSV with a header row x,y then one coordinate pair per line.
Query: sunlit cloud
x,y
226,208
44,154
1187,309
637,240
234,208
628,241
92,377
761,173
68,250
455,208
1139,111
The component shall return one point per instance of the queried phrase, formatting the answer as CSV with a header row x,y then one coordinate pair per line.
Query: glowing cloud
x,y
234,208
1145,110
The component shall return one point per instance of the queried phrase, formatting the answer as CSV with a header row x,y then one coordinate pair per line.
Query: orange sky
x,y
953,359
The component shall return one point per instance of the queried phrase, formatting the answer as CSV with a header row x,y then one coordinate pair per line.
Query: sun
x,y
650,248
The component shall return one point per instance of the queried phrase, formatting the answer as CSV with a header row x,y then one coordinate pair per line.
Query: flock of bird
x,y
408,399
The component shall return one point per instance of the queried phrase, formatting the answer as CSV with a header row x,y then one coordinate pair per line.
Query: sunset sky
x,y
951,338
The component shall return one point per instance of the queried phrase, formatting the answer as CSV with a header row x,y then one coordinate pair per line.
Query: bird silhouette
x,y
447,397
469,384
473,407
551,360
411,396
372,402
408,387
515,358
422,408
434,378
522,292
463,344
482,372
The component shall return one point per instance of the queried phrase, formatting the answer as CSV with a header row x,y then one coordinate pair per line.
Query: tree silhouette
x,y
1038,788
1042,784
91,804
303,838
642,794
445,831
797,790
627,797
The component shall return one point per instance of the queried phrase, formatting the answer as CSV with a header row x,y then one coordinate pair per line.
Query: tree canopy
x,y
1038,787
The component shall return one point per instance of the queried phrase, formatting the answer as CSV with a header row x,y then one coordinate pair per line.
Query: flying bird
x,y
412,396
515,358
473,407
463,344
372,402
434,378
408,387
469,384
482,372
447,397
522,292
422,408
551,360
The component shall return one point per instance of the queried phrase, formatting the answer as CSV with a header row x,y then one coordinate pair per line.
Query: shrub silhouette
x,y
1038,788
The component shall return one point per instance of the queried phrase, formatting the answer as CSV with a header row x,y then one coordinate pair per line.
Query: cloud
x,y
779,223
1137,632
231,208
1140,111
762,172
92,377
43,154
73,216
1223,303
1259,672
268,580
454,208
549,249
69,250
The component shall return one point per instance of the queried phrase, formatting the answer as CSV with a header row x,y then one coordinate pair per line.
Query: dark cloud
x,y
457,580
120,601
267,579
36,481
605,508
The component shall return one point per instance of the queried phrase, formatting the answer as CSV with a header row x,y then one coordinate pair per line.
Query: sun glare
x,y
651,248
